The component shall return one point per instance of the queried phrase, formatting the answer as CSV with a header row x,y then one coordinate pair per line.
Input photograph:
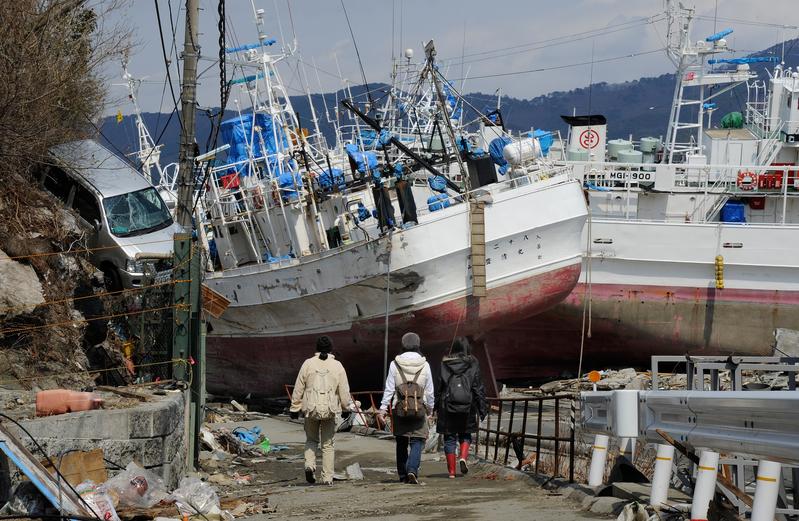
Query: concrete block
x,y
607,505
587,501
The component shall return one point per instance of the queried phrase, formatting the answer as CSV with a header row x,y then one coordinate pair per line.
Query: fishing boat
x,y
313,240
692,244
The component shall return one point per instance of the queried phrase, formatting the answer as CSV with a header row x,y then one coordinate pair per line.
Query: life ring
x,y
747,180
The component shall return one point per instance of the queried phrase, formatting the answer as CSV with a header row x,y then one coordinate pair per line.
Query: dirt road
x,y
478,495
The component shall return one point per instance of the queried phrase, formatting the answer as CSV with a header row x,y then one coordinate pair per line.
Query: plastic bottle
x,y
60,401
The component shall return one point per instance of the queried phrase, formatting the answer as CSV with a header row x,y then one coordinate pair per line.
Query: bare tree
x,y
52,53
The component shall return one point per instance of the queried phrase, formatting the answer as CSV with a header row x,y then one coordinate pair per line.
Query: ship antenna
x,y
358,55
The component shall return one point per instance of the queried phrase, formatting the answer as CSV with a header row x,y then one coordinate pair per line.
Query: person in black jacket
x,y
460,399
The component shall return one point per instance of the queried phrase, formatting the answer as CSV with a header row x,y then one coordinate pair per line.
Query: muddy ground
x,y
478,495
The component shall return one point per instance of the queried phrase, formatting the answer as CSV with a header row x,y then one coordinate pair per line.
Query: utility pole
x,y
191,52
187,339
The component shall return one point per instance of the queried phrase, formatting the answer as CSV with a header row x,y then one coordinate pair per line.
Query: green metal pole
x,y
181,328
198,355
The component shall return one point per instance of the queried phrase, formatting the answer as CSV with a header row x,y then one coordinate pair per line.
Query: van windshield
x,y
136,213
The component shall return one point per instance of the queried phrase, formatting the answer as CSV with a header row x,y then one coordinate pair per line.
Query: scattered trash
x,y
25,500
242,479
136,487
98,500
193,497
265,445
61,401
248,436
354,472
278,448
431,445
633,512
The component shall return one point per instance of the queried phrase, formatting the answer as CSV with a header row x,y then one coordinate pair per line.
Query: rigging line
x,y
291,21
166,62
358,55
641,21
567,66
547,45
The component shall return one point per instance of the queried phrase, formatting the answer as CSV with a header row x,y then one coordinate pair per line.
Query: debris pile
x,y
629,378
44,334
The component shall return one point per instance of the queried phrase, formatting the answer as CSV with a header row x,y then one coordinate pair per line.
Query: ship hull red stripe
x,y
263,365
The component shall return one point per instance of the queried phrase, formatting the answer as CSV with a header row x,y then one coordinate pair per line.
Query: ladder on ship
x,y
478,247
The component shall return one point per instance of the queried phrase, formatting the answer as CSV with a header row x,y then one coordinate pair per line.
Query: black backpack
x,y
458,398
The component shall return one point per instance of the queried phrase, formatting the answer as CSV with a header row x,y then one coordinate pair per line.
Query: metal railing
x,y
518,435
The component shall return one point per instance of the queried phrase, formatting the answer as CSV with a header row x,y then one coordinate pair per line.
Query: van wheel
x,y
112,280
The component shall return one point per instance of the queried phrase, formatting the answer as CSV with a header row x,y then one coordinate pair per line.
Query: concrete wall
x,y
153,434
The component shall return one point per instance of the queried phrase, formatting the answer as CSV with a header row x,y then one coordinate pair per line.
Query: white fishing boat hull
x,y
533,251
653,292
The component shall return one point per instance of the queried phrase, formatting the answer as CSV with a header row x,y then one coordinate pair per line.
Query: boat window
x,y
86,205
58,183
136,213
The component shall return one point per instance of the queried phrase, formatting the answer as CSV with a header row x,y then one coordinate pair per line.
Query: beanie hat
x,y
411,342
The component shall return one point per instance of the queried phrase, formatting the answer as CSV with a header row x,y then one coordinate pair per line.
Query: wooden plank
x,y
59,496
123,392
213,303
721,479
79,466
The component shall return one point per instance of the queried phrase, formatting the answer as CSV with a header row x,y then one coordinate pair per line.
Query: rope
x,y
586,302
97,295
96,371
85,320
79,250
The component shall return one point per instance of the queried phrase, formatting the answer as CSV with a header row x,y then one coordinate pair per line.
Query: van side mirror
x,y
97,225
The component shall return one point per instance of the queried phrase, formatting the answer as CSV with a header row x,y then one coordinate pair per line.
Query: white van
x,y
126,213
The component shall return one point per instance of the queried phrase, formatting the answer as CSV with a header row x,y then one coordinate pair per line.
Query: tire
x,y
113,282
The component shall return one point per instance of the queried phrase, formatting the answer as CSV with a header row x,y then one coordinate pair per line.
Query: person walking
x,y
321,392
460,399
409,389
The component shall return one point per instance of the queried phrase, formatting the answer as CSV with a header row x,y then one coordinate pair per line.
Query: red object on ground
x,y
60,401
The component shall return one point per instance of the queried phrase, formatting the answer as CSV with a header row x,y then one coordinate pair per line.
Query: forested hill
x,y
640,107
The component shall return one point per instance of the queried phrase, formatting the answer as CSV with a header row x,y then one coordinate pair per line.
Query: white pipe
x,y
662,475
599,456
769,478
705,487
627,448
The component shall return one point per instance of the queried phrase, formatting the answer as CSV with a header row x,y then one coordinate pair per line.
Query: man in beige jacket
x,y
321,392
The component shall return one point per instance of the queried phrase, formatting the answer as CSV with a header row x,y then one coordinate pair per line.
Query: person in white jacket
x,y
410,433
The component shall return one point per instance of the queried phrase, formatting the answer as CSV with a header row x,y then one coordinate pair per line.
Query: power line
x,y
558,67
166,60
559,40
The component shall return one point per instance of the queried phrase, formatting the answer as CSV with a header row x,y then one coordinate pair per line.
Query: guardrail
x,y
762,424
517,436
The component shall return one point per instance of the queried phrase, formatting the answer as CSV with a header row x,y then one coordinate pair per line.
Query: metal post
x,y
198,355
524,425
499,425
571,444
538,435
557,437
181,300
510,431
191,52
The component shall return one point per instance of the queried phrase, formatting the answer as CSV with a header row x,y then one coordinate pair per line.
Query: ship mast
x,y
149,153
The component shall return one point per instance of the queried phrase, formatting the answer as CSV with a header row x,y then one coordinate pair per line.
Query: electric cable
x,y
166,61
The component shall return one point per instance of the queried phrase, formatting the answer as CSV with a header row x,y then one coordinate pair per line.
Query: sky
x,y
530,34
